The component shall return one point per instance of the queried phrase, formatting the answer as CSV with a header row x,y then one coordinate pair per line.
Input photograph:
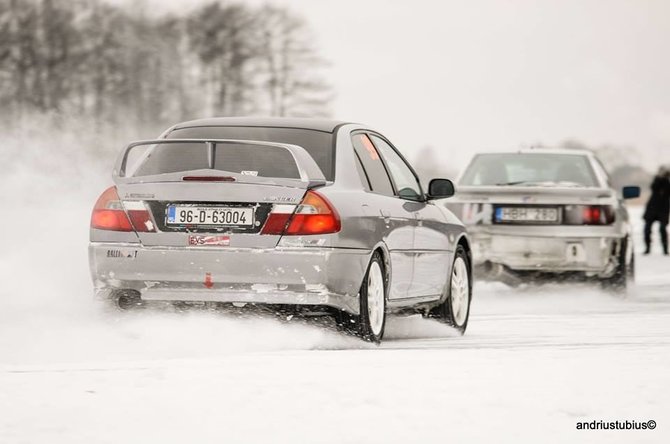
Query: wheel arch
x,y
384,252
465,243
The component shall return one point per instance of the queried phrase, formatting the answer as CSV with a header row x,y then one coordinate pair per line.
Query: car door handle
x,y
386,215
419,219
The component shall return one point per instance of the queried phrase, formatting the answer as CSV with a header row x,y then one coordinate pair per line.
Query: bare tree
x,y
89,60
292,67
221,37
18,22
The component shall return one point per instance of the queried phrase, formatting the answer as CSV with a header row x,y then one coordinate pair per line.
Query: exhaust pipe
x,y
127,299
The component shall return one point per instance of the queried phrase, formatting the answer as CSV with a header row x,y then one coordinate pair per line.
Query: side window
x,y
372,164
405,181
361,173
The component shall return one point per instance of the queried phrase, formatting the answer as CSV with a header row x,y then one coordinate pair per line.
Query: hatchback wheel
x,y
623,272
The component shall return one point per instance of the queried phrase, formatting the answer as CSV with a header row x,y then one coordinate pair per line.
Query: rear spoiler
x,y
311,175
517,190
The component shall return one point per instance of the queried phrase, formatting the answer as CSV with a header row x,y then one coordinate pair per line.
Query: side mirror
x,y
440,189
631,192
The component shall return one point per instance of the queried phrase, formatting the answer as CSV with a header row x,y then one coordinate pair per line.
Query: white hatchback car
x,y
546,213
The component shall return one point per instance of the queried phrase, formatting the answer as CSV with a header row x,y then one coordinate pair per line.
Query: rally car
x,y
318,215
546,213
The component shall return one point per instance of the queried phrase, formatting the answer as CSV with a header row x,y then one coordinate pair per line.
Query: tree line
x,y
122,67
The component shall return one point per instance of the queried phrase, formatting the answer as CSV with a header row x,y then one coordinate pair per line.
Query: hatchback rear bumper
x,y
592,253
296,276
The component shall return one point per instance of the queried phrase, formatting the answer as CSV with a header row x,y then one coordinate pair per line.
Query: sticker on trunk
x,y
222,241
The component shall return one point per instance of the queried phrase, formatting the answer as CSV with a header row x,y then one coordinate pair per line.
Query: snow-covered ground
x,y
533,363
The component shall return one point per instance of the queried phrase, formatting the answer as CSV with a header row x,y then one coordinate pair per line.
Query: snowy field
x,y
533,363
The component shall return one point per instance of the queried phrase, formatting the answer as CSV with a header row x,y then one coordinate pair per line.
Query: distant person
x,y
658,209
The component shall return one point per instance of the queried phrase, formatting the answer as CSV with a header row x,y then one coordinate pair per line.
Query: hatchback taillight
x,y
314,215
589,215
109,214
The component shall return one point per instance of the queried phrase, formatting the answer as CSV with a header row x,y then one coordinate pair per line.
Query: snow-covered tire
x,y
369,324
618,282
455,309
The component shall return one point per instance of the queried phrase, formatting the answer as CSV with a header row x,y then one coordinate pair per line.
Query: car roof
x,y
325,125
578,151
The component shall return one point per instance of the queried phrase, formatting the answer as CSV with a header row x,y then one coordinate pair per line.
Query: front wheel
x,y
455,310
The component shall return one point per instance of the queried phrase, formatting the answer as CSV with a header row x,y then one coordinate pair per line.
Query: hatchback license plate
x,y
526,214
220,216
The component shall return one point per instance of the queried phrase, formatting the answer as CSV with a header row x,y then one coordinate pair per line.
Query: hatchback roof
x,y
541,151
325,125
549,150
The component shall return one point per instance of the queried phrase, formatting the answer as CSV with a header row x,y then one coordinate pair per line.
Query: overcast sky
x,y
471,75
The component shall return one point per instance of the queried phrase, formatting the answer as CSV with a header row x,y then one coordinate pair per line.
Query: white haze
x,y
47,310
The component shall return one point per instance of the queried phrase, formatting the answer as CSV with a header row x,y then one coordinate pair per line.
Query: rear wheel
x,y
455,310
624,272
369,324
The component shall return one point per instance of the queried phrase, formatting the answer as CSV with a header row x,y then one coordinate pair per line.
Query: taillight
x,y
109,214
139,216
278,219
314,215
589,215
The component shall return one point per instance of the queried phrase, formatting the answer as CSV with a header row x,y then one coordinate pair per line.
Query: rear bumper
x,y
593,252
296,276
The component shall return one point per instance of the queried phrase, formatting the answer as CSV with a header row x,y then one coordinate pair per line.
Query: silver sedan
x,y
315,215
539,213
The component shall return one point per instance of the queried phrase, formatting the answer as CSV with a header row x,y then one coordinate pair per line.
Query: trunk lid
x,y
531,194
483,204
212,206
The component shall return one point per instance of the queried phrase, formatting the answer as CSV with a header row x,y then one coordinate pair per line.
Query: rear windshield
x,y
530,169
318,144
247,159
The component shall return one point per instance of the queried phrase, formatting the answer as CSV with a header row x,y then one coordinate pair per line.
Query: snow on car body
x,y
537,211
298,212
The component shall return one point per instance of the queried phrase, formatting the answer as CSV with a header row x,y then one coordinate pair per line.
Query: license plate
x,y
526,214
220,216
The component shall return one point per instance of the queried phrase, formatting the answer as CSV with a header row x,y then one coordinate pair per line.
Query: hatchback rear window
x,y
530,169
319,144
246,159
